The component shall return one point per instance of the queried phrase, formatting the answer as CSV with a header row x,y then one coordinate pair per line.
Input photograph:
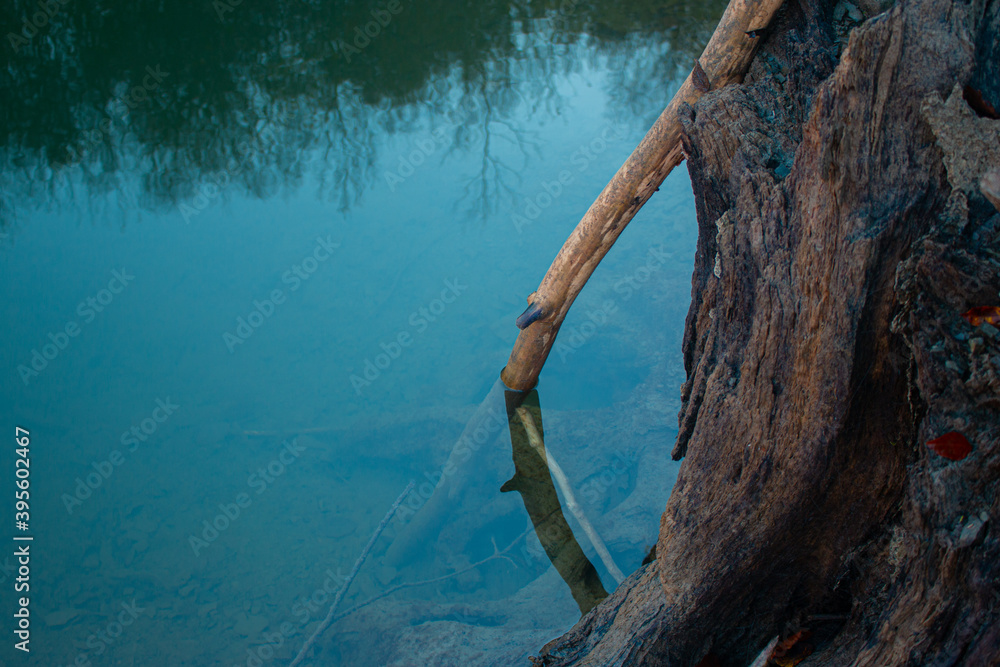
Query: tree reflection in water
x,y
258,96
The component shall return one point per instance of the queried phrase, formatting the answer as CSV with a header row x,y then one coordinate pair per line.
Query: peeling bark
x,y
843,230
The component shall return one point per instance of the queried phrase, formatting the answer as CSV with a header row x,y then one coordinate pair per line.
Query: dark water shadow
x,y
178,103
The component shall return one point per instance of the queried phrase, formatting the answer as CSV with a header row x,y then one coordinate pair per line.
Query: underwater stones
x,y
59,618
206,609
249,626
344,527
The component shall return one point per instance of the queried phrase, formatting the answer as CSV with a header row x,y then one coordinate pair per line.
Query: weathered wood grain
x,y
724,61
843,231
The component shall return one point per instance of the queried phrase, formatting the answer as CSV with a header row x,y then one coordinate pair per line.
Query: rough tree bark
x,y
842,234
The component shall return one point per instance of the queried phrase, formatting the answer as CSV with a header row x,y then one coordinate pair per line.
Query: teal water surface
x,y
262,263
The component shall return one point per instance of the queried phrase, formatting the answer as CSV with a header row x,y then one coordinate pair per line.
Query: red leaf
x,y
977,316
783,647
982,108
792,650
795,656
952,446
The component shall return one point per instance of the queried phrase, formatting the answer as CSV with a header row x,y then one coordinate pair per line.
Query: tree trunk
x,y
842,235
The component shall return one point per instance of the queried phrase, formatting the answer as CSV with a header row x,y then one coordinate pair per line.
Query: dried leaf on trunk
x,y
792,650
700,78
979,104
977,316
953,446
803,651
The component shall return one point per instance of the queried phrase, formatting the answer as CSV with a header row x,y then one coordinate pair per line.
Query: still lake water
x,y
261,270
